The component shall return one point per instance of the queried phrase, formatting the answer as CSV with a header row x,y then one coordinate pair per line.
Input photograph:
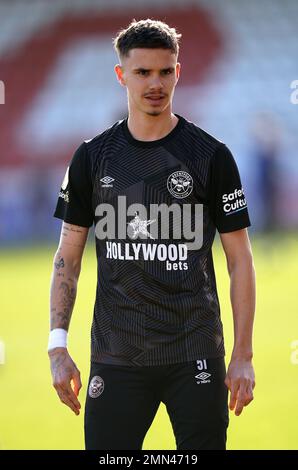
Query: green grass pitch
x,y
31,415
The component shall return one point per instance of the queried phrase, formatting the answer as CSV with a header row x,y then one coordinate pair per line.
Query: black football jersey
x,y
155,207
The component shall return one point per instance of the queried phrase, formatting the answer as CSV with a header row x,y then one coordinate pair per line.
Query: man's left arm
x,y
240,377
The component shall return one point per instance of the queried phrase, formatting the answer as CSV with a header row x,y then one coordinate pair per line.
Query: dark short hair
x,y
146,34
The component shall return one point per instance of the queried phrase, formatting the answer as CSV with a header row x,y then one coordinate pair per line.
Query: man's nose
x,y
156,83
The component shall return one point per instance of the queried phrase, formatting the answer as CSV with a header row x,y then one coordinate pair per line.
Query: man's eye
x,y
167,72
143,72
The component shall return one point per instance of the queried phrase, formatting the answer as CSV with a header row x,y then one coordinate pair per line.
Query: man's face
x,y
150,76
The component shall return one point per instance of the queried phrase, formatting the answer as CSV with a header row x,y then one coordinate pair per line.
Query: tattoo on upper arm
x,y
72,229
66,231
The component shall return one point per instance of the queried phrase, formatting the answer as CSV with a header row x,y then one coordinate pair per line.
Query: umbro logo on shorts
x,y
203,377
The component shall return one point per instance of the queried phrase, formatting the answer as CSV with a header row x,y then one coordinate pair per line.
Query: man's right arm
x,y
66,271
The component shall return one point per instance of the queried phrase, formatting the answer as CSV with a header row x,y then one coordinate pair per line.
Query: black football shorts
x,y
122,402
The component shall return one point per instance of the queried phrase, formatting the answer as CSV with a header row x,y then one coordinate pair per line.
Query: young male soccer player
x,y
157,187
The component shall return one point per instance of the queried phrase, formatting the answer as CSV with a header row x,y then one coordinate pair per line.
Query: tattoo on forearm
x,y
64,280
68,293
61,320
60,317
60,264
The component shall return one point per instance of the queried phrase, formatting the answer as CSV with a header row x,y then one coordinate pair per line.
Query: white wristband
x,y
57,338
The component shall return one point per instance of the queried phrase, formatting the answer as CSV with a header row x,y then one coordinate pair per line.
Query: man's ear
x,y
178,69
119,73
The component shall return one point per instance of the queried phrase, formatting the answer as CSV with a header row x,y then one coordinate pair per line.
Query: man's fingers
x,y
240,380
66,401
245,396
72,397
234,386
227,382
66,379
77,384
241,395
68,397
249,394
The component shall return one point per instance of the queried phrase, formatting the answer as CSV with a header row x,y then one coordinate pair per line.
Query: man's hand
x,y
240,380
64,371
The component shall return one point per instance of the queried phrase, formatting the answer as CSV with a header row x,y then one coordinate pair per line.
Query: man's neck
x,y
149,128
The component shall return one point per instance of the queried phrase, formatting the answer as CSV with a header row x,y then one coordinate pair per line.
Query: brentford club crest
x,y
180,184
96,386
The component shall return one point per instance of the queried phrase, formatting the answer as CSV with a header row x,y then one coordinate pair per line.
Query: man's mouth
x,y
155,99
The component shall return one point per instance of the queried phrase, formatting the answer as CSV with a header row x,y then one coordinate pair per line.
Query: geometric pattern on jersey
x,y
144,313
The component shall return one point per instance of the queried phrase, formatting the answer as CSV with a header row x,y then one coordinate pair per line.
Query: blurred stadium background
x,y
239,66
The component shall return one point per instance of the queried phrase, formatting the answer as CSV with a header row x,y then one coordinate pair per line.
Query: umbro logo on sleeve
x,y
107,180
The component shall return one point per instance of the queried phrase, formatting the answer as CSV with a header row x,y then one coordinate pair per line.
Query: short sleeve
x,y
227,203
74,204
